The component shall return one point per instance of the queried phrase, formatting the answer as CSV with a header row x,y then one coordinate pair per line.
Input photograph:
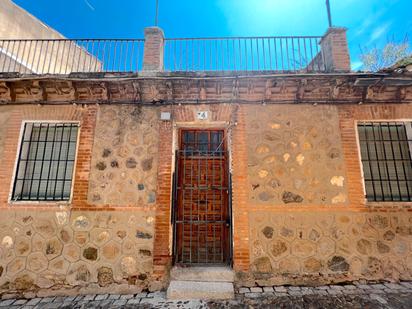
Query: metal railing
x,y
60,56
284,54
288,54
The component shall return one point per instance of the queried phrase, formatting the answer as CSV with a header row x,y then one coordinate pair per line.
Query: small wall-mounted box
x,y
165,116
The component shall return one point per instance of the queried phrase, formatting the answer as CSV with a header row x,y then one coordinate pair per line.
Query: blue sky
x,y
370,23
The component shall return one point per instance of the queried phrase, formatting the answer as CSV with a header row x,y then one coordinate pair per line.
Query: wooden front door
x,y
202,216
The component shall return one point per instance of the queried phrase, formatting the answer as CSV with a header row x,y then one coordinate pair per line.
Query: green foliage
x,y
376,59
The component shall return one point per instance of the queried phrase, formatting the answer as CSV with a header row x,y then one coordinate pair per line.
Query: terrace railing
x,y
287,54
282,54
66,56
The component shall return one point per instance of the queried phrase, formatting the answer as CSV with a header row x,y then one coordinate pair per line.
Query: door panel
x,y
202,217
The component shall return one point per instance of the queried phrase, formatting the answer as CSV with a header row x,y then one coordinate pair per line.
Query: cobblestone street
x,y
386,295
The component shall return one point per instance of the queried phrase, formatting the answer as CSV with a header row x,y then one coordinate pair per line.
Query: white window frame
x,y
16,162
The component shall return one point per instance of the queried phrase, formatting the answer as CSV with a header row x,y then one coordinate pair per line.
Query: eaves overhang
x,y
154,88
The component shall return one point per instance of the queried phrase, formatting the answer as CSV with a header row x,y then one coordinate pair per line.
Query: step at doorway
x,y
206,283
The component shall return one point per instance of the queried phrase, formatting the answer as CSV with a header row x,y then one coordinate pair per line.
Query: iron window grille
x,y
386,159
46,162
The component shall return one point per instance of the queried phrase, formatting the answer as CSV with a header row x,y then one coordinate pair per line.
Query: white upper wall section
x,y
17,23
39,57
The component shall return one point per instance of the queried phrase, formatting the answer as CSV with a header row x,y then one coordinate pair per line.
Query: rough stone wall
x,y
70,248
81,251
294,155
304,241
319,247
124,160
310,239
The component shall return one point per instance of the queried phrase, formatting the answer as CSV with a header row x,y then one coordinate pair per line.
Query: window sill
x,y
39,203
389,205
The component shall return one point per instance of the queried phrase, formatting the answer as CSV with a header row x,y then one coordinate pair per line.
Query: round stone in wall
x,y
105,276
338,263
263,173
90,254
131,163
262,265
312,265
81,222
82,273
7,242
389,235
314,235
128,266
111,251
147,164
286,232
374,265
382,247
268,232
101,166
290,197
278,248
106,153
364,246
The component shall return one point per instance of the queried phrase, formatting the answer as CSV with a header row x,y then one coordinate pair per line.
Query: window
x,y
386,158
203,142
46,162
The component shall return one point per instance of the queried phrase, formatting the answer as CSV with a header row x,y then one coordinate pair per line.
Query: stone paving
x,y
385,295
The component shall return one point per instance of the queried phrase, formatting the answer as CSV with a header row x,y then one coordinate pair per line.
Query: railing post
x,y
335,51
153,49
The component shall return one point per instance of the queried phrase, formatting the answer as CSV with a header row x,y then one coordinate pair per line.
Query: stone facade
x,y
46,251
295,155
69,247
298,207
124,160
336,237
317,247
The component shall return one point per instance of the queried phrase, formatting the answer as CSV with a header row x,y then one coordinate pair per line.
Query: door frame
x,y
174,203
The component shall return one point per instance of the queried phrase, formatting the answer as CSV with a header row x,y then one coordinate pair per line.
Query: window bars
x,y
386,159
46,162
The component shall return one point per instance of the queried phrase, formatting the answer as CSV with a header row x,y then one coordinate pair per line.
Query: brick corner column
x,y
335,50
153,49
241,254
162,256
